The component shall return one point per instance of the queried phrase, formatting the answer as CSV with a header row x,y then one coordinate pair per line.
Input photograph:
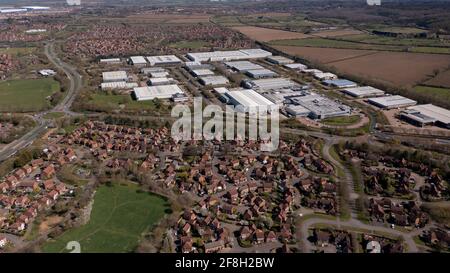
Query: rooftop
x,y
164,59
392,101
440,114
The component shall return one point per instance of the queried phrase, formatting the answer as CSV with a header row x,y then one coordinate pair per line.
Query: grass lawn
x,y
190,44
113,102
437,94
341,121
53,115
119,216
26,95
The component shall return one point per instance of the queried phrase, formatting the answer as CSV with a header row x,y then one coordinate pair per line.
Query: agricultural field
x,y
438,94
441,80
27,95
266,34
119,216
391,67
170,18
337,32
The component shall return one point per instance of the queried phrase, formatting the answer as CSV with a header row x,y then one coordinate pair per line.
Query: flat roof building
x,y
296,66
363,92
138,60
159,74
297,111
340,83
322,76
243,66
248,99
427,114
164,60
213,80
202,72
160,92
321,107
150,70
115,76
391,102
118,85
110,61
216,56
160,81
269,84
261,73
279,60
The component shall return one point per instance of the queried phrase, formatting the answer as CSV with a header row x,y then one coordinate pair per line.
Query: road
x,y
42,124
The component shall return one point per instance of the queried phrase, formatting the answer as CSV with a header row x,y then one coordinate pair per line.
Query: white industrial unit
x,y
160,92
115,76
391,102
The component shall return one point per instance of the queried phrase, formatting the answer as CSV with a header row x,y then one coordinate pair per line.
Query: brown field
x,y
171,18
323,55
442,79
267,34
337,33
398,68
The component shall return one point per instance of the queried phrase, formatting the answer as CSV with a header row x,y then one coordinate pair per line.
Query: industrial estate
x,y
87,153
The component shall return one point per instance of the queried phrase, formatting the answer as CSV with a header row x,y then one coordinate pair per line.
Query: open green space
x,y
435,93
119,216
332,43
26,95
341,121
189,44
107,103
54,115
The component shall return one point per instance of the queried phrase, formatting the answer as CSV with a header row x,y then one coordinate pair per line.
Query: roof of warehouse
x,y
138,60
433,111
202,72
275,83
249,98
339,82
392,100
264,71
280,59
163,59
157,91
214,80
295,66
243,65
114,75
363,91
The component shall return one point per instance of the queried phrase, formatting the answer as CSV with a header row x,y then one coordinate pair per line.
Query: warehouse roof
x,y
118,85
161,80
298,66
202,72
270,84
440,114
114,75
164,59
214,80
257,73
228,55
363,91
322,106
243,66
340,83
138,60
392,101
279,60
161,91
248,98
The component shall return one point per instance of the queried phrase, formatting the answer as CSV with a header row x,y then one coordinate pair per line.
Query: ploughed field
x,y
397,68
267,34
119,216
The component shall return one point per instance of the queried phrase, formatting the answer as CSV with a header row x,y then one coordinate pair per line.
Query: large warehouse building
x,y
160,92
392,102
138,61
248,99
279,60
363,92
216,56
261,73
321,107
213,80
264,85
340,83
243,66
427,114
164,60
115,76
118,85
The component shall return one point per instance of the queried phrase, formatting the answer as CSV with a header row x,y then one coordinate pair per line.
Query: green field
x,y
190,44
119,217
371,42
26,95
341,121
107,103
435,93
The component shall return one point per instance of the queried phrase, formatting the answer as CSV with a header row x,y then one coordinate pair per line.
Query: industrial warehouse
x,y
243,66
363,92
217,56
248,99
265,85
164,60
392,102
153,92
339,83
317,107
115,76
213,80
428,114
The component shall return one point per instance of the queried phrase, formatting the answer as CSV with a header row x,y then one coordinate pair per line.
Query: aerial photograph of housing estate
x,y
355,94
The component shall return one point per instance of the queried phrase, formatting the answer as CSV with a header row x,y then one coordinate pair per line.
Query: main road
x,y
42,124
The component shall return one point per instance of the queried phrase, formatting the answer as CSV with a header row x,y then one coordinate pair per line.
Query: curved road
x,y
76,82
